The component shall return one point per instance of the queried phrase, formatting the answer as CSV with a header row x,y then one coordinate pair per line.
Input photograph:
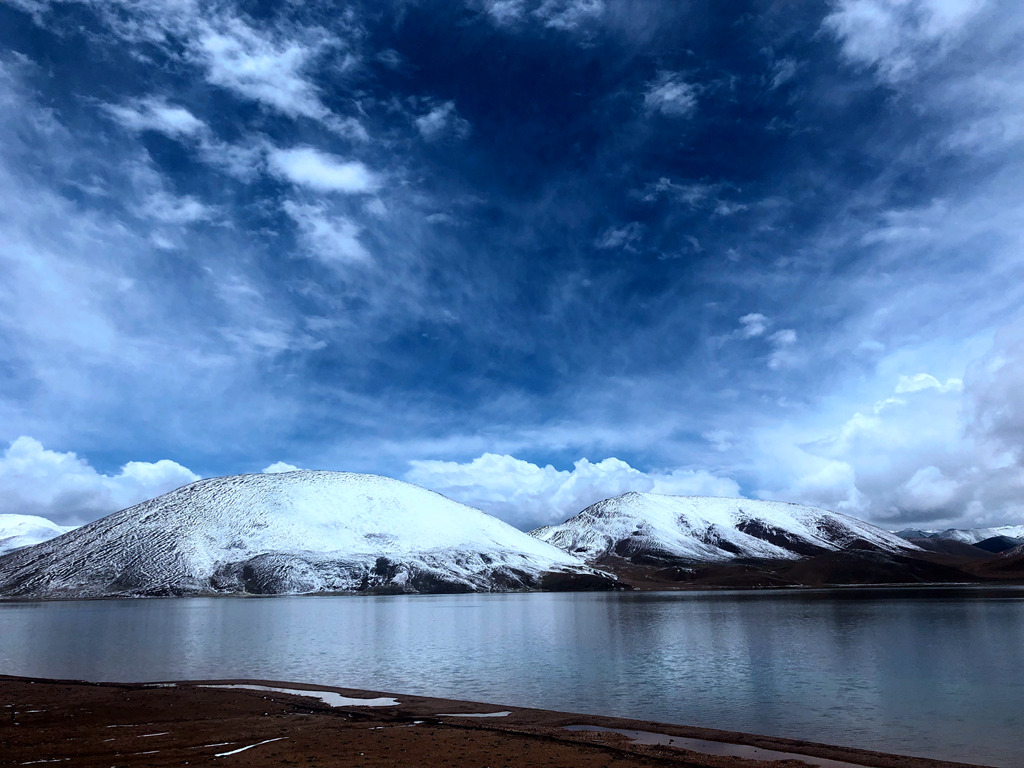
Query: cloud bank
x,y
64,488
528,496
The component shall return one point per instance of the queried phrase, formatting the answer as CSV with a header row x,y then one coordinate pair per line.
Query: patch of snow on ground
x,y
329,698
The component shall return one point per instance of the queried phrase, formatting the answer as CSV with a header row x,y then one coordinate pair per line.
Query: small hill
x,y
997,544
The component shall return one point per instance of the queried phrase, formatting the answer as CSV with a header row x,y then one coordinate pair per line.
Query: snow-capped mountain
x,y
17,531
295,532
648,528
966,535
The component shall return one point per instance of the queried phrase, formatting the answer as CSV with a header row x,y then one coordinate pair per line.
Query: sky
x,y
527,253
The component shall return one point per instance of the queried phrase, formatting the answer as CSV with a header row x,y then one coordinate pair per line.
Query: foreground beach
x,y
263,723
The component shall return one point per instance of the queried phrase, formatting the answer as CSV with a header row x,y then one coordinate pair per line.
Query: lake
x,y
935,672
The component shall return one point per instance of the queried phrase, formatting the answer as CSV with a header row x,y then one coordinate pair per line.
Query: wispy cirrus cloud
x,y
334,239
671,95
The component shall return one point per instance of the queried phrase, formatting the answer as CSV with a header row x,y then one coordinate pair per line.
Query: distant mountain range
x,y
997,539
324,532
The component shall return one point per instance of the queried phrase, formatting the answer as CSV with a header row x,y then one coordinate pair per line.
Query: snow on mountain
x,y
967,535
651,527
294,532
17,531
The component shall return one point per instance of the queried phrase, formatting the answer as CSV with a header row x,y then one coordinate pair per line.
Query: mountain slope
x,y
648,528
18,531
296,532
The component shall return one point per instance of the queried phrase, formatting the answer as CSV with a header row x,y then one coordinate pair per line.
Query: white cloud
x,y
783,338
157,115
920,381
440,120
671,95
899,36
309,167
268,66
333,239
992,397
625,237
278,467
171,209
782,72
569,14
506,11
783,353
527,495
941,454
65,489
753,325
241,59
692,194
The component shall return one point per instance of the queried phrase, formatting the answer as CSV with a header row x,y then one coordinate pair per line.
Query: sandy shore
x,y
189,723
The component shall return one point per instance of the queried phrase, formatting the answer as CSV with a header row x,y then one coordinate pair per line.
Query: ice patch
x,y
329,698
242,749
474,714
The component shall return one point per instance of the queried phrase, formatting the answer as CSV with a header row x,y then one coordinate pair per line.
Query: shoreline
x,y
274,723
643,588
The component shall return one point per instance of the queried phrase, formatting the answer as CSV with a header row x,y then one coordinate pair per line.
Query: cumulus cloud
x,y
322,172
671,95
992,397
946,454
64,488
156,115
333,239
527,495
278,467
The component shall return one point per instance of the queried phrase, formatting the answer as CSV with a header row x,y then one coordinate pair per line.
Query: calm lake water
x,y
934,672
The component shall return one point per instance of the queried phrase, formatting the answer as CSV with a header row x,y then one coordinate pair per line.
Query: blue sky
x,y
529,253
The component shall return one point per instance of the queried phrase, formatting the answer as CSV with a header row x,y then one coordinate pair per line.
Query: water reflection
x,y
937,672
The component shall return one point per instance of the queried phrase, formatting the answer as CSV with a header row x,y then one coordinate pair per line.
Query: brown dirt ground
x,y
45,722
